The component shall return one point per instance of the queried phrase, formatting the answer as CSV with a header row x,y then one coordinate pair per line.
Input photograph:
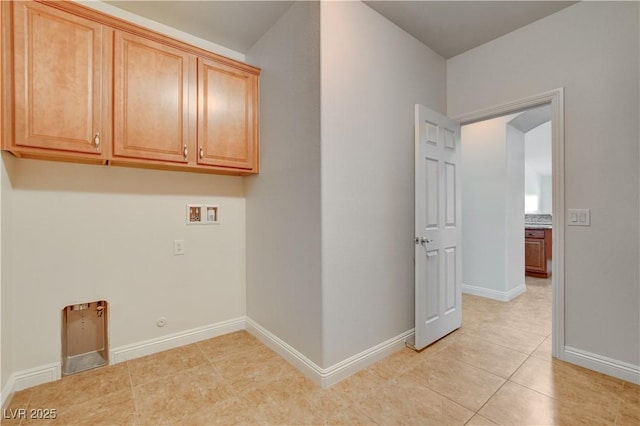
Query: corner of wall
x,y
283,201
6,334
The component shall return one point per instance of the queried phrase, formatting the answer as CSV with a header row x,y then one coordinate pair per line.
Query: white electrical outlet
x,y
579,217
179,247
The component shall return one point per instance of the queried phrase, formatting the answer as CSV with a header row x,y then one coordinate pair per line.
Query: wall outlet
x,y
178,247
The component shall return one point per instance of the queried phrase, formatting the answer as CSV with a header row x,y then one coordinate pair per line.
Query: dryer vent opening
x,y
84,337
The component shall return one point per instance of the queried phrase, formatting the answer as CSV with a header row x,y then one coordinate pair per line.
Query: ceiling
x,y
453,27
237,25
537,147
448,27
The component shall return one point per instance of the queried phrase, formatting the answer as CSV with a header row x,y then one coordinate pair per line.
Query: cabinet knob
x,y
201,153
185,152
96,141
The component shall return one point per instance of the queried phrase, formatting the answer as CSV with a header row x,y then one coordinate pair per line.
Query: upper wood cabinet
x,y
152,103
227,116
80,85
59,69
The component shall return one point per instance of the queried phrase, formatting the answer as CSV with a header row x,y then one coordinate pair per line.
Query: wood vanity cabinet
x,y
537,252
60,89
79,85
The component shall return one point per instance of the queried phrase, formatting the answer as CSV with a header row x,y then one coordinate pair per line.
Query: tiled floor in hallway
x,y
497,369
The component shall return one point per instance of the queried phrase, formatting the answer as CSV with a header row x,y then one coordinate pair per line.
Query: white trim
x,y
31,377
7,392
556,99
326,377
603,364
152,346
52,372
503,296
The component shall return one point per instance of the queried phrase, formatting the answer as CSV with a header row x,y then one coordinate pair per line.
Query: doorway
x,y
554,99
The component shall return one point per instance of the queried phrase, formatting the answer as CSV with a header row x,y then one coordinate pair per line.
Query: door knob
x,y
422,240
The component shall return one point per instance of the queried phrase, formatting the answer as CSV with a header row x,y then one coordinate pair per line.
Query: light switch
x,y
579,217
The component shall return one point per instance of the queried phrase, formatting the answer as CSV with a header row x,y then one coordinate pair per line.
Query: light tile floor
x,y
497,369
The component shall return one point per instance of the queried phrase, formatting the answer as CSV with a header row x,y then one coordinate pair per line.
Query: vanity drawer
x,y
534,233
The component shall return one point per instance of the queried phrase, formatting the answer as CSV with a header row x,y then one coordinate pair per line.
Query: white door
x,y
438,259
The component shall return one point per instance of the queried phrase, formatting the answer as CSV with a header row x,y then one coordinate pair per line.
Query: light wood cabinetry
x,y
537,252
79,85
152,106
227,116
60,84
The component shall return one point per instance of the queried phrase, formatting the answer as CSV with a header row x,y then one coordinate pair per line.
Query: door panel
x,y
438,233
432,177
534,254
432,271
227,116
58,84
450,279
151,99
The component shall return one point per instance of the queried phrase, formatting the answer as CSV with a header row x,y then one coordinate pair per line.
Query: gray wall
x,y
283,202
493,206
514,212
81,233
6,343
372,75
591,49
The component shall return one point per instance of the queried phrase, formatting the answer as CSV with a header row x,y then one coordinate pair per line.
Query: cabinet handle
x,y
201,153
96,141
185,152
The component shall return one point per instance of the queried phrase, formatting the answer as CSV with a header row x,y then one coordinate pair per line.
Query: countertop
x,y
537,226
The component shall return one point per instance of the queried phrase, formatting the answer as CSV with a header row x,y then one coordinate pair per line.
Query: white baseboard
x,y
602,364
326,377
51,372
7,392
503,296
31,377
171,341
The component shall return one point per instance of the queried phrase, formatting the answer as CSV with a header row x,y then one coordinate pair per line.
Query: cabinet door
x,y
534,255
227,116
58,60
151,99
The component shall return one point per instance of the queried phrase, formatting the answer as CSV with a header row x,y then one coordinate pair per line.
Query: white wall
x,y
514,209
109,9
82,233
591,49
484,203
546,195
284,288
532,186
372,75
6,307
538,180
492,206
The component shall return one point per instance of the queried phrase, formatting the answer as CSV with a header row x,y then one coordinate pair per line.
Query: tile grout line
x,y
502,385
508,347
508,379
347,404
615,419
133,394
441,394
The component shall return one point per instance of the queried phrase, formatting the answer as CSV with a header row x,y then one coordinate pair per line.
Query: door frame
x,y
556,99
